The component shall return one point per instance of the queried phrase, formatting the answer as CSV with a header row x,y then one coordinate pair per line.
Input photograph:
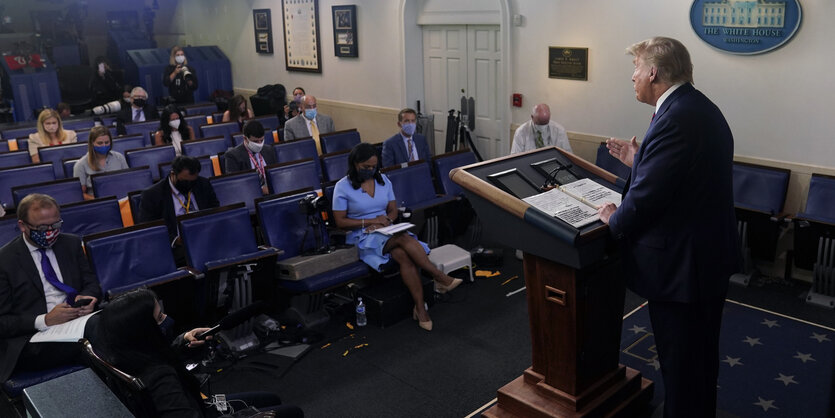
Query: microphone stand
x,y
551,180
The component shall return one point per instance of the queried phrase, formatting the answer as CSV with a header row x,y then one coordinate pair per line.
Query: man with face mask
x,y
43,273
183,191
405,145
252,154
309,123
539,132
140,110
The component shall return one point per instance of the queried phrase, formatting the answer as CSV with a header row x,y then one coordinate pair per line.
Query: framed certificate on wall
x,y
302,50
345,31
263,31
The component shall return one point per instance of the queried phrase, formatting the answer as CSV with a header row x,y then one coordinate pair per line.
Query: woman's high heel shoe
x,y
427,325
443,288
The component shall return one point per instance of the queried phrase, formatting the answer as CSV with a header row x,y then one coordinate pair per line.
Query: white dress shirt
x,y
53,295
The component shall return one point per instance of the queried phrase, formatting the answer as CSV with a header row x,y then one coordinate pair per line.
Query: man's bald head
x,y
541,114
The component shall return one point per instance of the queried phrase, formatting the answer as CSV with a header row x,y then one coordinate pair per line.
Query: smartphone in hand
x,y
81,302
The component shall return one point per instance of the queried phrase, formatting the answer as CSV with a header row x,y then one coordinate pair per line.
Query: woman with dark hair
x,y
173,129
364,201
238,111
99,159
132,336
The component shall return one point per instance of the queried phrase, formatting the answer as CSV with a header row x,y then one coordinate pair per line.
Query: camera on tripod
x,y
312,204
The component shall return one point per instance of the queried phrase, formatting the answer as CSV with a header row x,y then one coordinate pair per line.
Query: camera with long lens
x,y
312,204
111,107
187,74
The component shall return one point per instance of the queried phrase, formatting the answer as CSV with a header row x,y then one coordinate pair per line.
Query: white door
x,y
464,61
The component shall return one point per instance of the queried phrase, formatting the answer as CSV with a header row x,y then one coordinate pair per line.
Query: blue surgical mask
x,y
167,327
310,113
366,174
408,128
102,150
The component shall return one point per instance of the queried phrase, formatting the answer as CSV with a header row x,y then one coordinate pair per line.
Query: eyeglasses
x,y
44,228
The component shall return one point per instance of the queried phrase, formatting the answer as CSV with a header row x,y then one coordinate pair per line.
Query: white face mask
x,y
540,128
254,147
101,68
174,124
179,59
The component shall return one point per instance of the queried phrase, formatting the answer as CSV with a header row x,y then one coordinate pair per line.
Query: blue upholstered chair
x,y
335,165
19,176
207,170
69,166
8,228
814,240
119,183
56,154
444,163
200,109
339,140
19,131
299,149
123,143
413,186
241,187
609,163
82,135
151,157
14,159
205,146
4,146
269,122
92,216
287,177
78,124
142,128
63,191
224,129
195,121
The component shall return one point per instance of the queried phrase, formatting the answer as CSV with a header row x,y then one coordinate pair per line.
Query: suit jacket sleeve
x,y
12,323
207,194
233,162
389,152
150,205
289,129
327,125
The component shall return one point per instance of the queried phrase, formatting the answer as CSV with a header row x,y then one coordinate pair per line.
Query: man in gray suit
x,y
308,123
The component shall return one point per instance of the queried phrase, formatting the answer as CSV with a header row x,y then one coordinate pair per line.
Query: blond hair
x,y
46,114
668,56
174,50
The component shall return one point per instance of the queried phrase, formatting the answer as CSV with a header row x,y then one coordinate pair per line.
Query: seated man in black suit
x,y
405,145
253,153
139,110
179,193
42,274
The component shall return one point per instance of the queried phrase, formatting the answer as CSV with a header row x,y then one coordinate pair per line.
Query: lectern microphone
x,y
551,179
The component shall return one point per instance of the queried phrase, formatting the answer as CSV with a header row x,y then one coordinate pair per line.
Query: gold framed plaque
x,y
568,63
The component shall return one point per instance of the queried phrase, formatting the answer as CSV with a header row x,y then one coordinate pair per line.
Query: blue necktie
x,y
50,276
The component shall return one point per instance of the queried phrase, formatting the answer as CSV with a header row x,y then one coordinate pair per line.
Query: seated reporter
x,y
364,201
135,336
251,154
50,132
172,129
100,158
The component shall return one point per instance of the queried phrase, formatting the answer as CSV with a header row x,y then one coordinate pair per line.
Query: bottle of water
x,y
361,318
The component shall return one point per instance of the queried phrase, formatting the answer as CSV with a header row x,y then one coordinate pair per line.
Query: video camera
x,y
312,204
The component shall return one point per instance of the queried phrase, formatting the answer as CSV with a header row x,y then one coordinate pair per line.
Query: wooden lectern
x,y
575,292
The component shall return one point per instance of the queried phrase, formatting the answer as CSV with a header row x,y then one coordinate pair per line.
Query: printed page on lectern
x,y
575,203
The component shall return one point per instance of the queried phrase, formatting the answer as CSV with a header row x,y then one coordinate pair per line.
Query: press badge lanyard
x,y
188,201
258,166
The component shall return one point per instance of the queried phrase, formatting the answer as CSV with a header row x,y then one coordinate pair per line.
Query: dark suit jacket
x,y
677,218
155,203
237,159
126,114
395,152
22,294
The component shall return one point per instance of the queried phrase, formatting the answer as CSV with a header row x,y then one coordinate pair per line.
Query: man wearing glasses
x,y
45,280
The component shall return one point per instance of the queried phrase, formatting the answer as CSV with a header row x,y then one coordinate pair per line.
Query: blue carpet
x,y
771,365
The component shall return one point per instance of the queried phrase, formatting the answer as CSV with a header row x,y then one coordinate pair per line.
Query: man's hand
x,y
606,212
88,308
623,150
60,314
191,337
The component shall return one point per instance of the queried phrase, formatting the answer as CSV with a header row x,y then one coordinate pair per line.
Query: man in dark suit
x,y
139,110
182,191
405,145
251,154
677,224
42,272
308,123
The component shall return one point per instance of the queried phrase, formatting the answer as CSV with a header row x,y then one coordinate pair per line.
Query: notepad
x,y
575,203
393,229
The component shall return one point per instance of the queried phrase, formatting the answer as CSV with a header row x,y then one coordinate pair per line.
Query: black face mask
x,y
139,102
366,174
167,328
184,186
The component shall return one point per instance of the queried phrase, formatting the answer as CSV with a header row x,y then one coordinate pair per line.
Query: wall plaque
x,y
745,27
569,63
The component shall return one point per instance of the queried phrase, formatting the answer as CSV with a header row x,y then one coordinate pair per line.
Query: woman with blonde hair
x,y
179,77
50,132
99,159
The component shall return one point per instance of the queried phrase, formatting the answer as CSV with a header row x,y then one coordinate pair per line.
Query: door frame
x,y
414,91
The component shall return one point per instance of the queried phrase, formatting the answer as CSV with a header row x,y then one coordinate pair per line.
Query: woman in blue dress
x,y
364,201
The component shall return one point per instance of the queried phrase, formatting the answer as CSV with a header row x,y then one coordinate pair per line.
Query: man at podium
x,y
676,222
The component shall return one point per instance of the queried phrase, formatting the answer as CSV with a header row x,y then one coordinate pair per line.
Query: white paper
x,y
592,193
68,332
561,205
393,229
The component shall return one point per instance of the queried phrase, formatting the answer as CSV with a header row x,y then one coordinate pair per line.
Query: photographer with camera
x,y
253,153
105,85
179,77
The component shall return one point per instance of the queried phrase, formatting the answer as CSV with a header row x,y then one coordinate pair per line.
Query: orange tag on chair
x,y
127,215
12,145
209,119
275,136
216,164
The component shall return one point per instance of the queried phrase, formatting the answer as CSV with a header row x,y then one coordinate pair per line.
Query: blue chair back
x,y
759,187
91,216
224,129
206,146
69,166
339,140
284,226
82,135
195,121
4,146
142,128
23,143
286,177
14,159
335,165
206,168
444,163
298,150
78,124
19,131
130,257
611,164
241,187
200,109
412,184
58,153
200,236
63,191
124,143
19,176
151,157
8,229
119,183
821,198
270,122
